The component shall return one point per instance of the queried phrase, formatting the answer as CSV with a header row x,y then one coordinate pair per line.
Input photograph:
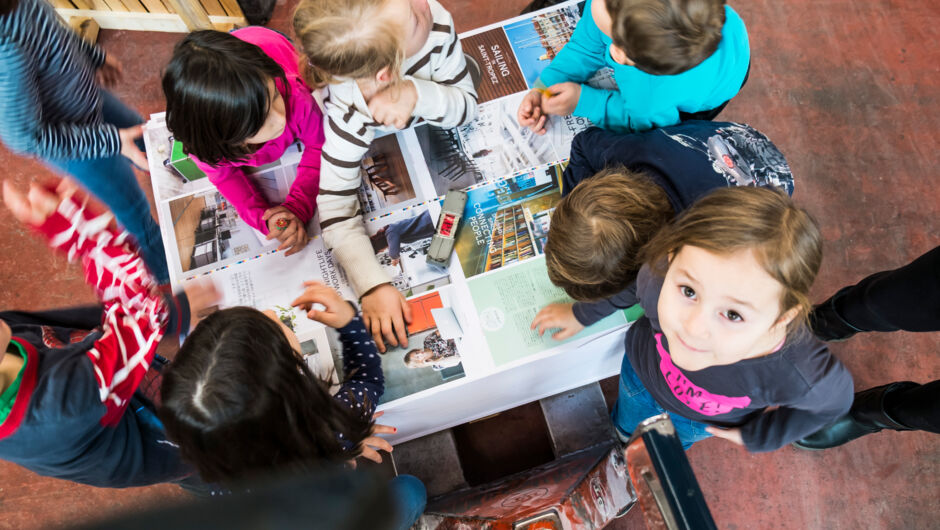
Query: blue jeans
x,y
112,180
635,404
410,497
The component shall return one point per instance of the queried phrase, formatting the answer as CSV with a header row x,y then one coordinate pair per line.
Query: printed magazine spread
x,y
471,319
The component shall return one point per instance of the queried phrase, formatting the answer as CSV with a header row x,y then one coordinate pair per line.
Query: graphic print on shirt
x,y
692,395
744,156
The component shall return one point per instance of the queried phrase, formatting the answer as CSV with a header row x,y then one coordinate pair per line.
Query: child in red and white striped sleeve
x,y
69,401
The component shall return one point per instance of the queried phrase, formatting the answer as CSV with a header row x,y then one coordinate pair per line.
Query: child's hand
x,y
373,444
557,316
110,72
732,435
393,105
564,99
36,205
293,237
129,148
386,313
336,312
201,294
530,112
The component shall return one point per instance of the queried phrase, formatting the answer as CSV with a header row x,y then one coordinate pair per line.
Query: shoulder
x,y
442,21
811,362
734,31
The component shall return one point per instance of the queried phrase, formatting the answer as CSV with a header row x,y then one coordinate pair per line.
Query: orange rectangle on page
x,y
421,319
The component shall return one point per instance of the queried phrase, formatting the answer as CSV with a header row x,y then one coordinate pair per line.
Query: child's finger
x,y
371,454
406,311
383,429
387,331
379,443
375,328
563,334
401,330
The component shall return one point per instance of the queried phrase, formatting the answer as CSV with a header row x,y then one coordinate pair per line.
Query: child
x,y
620,189
672,60
52,107
236,100
69,401
239,400
390,63
723,346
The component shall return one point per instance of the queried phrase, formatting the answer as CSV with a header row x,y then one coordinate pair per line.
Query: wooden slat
x,y
155,6
213,7
99,5
116,5
82,4
192,13
135,6
65,4
232,8
167,22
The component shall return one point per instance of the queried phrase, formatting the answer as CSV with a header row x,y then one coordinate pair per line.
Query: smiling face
x,y
276,120
719,309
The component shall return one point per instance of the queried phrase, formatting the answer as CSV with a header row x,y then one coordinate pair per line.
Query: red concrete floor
x,y
849,91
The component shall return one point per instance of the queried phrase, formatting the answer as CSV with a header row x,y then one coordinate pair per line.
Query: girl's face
x,y
719,309
276,121
414,16
421,356
289,333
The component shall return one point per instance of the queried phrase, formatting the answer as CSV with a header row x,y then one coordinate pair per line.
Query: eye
x,y
687,291
734,316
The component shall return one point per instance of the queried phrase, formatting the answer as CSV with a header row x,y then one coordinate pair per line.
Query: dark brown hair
x,y
597,231
7,6
239,401
217,96
784,238
666,37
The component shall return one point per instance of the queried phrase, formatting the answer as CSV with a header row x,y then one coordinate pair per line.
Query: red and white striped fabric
x,y
136,313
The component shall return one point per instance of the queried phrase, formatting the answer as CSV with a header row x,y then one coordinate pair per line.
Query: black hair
x,y
379,240
216,88
240,401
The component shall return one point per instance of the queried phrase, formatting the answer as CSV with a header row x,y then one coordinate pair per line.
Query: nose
x,y
694,323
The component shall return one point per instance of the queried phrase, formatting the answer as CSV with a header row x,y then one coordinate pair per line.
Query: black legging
x,y
907,298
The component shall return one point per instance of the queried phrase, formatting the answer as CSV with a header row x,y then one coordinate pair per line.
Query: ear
x,y
619,56
787,317
384,75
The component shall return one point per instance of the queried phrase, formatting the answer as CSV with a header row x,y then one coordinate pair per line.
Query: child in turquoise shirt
x,y
657,62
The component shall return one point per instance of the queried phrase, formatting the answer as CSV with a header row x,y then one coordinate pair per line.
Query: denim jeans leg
x,y
410,496
635,404
113,182
116,113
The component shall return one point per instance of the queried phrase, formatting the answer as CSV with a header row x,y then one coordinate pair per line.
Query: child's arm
x,y
362,367
570,319
449,98
828,398
301,199
22,124
136,314
583,55
348,136
233,183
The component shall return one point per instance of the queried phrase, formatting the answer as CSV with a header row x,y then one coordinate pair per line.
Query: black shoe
x,y
827,324
866,416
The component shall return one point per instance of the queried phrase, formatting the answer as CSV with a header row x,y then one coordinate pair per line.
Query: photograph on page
x,y
507,222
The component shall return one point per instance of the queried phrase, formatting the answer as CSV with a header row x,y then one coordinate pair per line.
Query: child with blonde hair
x,y
723,346
389,64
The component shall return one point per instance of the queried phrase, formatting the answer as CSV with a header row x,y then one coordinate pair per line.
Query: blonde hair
x,y
598,230
783,237
346,38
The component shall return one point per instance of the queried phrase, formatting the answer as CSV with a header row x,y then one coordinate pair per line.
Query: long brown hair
x,y
784,238
598,230
346,38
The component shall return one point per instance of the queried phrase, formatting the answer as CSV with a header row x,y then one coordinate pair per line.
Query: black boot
x,y
867,415
827,324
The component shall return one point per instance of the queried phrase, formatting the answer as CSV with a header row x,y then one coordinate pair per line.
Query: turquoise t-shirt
x,y
645,101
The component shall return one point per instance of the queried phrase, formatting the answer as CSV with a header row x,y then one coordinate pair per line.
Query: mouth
x,y
686,345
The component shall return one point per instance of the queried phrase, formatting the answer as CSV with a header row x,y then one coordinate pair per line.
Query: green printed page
x,y
508,299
